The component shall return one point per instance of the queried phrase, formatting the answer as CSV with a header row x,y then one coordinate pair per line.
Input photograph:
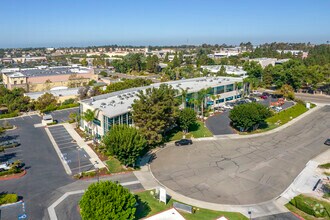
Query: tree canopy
x,y
155,111
125,142
248,117
107,200
187,118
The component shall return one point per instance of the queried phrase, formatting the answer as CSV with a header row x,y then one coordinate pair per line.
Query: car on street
x,y
183,142
327,142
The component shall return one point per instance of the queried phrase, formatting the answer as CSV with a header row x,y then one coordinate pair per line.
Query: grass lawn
x,y
149,206
197,131
287,115
114,165
281,118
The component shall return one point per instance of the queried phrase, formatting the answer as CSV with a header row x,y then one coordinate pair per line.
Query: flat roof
x,y
48,71
57,93
229,69
117,103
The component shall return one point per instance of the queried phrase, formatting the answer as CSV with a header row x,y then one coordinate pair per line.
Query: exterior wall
x,y
14,82
37,87
58,78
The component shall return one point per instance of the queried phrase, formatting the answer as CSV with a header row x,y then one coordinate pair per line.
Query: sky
x,y
65,23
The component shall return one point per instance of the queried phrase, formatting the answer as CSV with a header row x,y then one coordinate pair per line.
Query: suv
x,y
183,142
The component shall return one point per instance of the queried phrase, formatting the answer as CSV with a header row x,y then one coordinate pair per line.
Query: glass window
x,y
97,121
220,101
220,89
229,88
211,92
229,98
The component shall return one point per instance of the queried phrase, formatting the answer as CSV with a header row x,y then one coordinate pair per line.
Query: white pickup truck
x,y
4,166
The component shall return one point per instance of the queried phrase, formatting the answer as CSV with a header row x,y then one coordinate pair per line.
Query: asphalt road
x,y
45,173
322,99
243,171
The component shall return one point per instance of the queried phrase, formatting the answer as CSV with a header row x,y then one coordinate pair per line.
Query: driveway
x,y
220,124
243,171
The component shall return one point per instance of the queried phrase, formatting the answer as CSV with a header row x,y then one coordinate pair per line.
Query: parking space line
x,y
76,168
68,147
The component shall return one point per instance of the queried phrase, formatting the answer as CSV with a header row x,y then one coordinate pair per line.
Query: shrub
x,y
8,198
311,206
247,117
107,200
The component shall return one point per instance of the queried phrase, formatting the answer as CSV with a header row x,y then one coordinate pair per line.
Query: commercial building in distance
x,y
233,70
44,78
115,108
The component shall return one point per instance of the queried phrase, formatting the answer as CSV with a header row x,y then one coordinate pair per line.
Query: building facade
x,y
115,108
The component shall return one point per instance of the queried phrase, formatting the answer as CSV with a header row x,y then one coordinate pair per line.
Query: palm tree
x,y
89,116
214,98
201,97
184,93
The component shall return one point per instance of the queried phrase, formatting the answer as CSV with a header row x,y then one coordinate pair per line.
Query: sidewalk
x,y
81,143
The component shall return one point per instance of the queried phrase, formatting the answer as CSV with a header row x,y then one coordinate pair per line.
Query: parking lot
x,y
14,153
76,158
220,124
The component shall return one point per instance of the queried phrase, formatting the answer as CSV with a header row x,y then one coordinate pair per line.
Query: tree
x,y
103,73
155,112
184,93
84,62
201,97
175,62
166,58
152,64
287,91
107,200
89,115
187,118
47,100
124,142
74,117
248,117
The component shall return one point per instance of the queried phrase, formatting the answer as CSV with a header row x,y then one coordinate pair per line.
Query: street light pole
x,y
78,148
98,173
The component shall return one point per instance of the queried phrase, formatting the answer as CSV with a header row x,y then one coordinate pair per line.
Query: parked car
x,y
229,105
252,99
183,142
327,142
4,167
263,96
9,144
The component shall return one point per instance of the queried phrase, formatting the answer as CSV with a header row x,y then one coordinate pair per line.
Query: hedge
x,y
8,198
311,206
9,115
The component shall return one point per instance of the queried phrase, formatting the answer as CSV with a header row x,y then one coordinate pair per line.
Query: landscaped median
x,y
281,118
6,198
309,208
149,205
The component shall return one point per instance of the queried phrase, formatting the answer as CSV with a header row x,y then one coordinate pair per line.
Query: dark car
x,y
183,142
327,142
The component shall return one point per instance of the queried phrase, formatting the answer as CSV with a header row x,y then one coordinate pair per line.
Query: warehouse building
x,y
45,78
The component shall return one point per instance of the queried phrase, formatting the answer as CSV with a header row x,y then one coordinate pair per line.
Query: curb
x,y
104,175
13,176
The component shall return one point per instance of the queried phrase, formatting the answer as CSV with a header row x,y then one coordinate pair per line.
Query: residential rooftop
x,y
117,103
